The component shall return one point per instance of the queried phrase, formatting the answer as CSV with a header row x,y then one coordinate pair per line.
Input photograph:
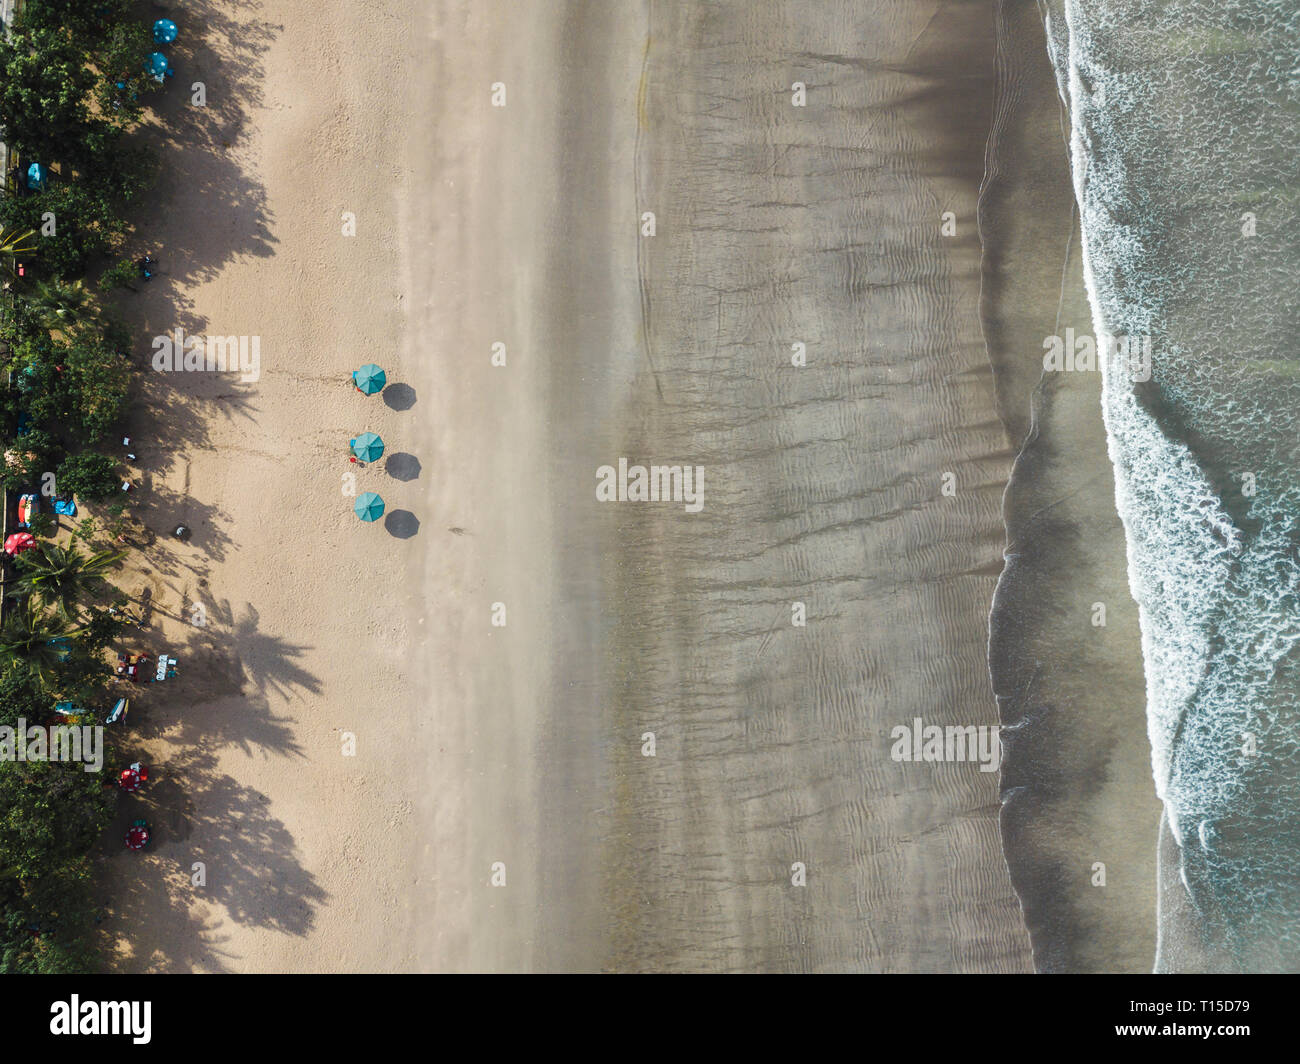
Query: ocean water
x,y
1184,122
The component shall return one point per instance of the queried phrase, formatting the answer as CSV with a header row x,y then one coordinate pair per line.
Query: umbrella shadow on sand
x,y
402,466
399,396
401,524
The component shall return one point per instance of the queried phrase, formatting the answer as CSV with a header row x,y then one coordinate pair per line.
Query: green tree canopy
x,y
34,642
62,577
44,88
89,475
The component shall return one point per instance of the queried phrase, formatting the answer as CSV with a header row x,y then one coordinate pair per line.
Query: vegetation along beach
x,y
648,486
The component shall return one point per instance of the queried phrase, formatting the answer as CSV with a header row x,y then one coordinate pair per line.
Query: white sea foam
x,y
1178,110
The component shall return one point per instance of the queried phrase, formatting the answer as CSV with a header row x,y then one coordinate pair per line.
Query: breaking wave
x,y
1185,116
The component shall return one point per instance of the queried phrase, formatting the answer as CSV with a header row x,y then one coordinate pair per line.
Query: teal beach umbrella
x,y
369,378
368,447
369,507
164,31
156,65
35,176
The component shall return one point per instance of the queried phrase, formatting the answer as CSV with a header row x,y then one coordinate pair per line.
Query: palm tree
x,y
13,242
60,576
34,639
62,305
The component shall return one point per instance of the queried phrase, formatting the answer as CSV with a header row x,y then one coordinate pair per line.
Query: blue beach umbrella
x,y
368,447
369,378
369,507
156,65
164,31
35,175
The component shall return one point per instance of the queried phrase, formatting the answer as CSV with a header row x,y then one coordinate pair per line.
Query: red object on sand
x,y
137,838
19,542
133,666
131,780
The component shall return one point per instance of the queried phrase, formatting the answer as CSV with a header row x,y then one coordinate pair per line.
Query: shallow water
x,y
1184,125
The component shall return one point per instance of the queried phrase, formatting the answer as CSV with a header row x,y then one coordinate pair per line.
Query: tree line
x,y
73,88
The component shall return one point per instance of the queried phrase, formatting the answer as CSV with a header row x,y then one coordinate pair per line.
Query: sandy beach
x,y
309,635
1076,774
499,812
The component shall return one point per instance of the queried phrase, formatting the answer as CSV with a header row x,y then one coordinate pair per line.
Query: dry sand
x,y
521,744
311,628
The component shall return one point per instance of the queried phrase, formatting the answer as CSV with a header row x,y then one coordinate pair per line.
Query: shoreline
x,y
1212,555
1076,781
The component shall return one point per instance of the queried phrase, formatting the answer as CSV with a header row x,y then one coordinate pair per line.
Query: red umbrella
x,y
19,542
138,837
133,778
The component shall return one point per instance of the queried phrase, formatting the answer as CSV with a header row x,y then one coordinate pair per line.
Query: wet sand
x,y
819,225
774,225
1077,773
488,751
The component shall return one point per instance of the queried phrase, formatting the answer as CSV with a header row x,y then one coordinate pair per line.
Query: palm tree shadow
x,y
270,662
222,47
222,658
160,509
229,668
208,827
